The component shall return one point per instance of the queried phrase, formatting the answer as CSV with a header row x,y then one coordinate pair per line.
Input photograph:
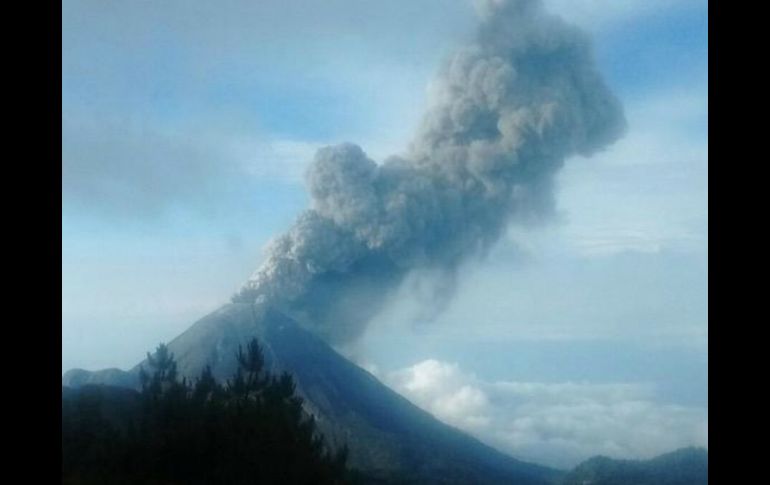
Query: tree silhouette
x,y
253,430
164,372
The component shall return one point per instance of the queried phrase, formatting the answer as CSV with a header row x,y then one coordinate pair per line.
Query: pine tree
x,y
253,430
164,372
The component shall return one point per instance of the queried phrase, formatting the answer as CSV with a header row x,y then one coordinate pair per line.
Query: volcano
x,y
389,438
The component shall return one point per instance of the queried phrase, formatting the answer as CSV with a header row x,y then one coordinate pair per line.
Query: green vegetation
x,y
250,431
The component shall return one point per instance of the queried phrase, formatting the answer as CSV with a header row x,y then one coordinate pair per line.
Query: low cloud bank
x,y
558,424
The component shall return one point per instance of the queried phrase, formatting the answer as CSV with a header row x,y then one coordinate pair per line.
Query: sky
x,y
186,128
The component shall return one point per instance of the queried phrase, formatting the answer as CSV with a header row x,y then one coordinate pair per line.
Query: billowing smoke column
x,y
507,112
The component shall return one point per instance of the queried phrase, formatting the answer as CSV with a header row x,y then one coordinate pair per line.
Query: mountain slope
x,y
389,437
686,466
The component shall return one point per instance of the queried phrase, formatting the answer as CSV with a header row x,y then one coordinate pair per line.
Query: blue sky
x,y
186,129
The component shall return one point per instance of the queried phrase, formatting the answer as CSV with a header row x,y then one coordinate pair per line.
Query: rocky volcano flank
x,y
388,436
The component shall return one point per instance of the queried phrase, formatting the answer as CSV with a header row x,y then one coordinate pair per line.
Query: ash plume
x,y
507,110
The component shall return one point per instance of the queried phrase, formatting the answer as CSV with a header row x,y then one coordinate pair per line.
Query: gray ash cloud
x,y
506,112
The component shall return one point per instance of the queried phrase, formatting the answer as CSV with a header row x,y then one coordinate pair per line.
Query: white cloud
x,y
601,14
441,388
559,424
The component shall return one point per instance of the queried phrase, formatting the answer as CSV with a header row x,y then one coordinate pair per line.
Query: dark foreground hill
x,y
179,433
388,437
687,466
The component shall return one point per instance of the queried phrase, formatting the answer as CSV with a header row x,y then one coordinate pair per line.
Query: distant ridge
x,y
686,466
